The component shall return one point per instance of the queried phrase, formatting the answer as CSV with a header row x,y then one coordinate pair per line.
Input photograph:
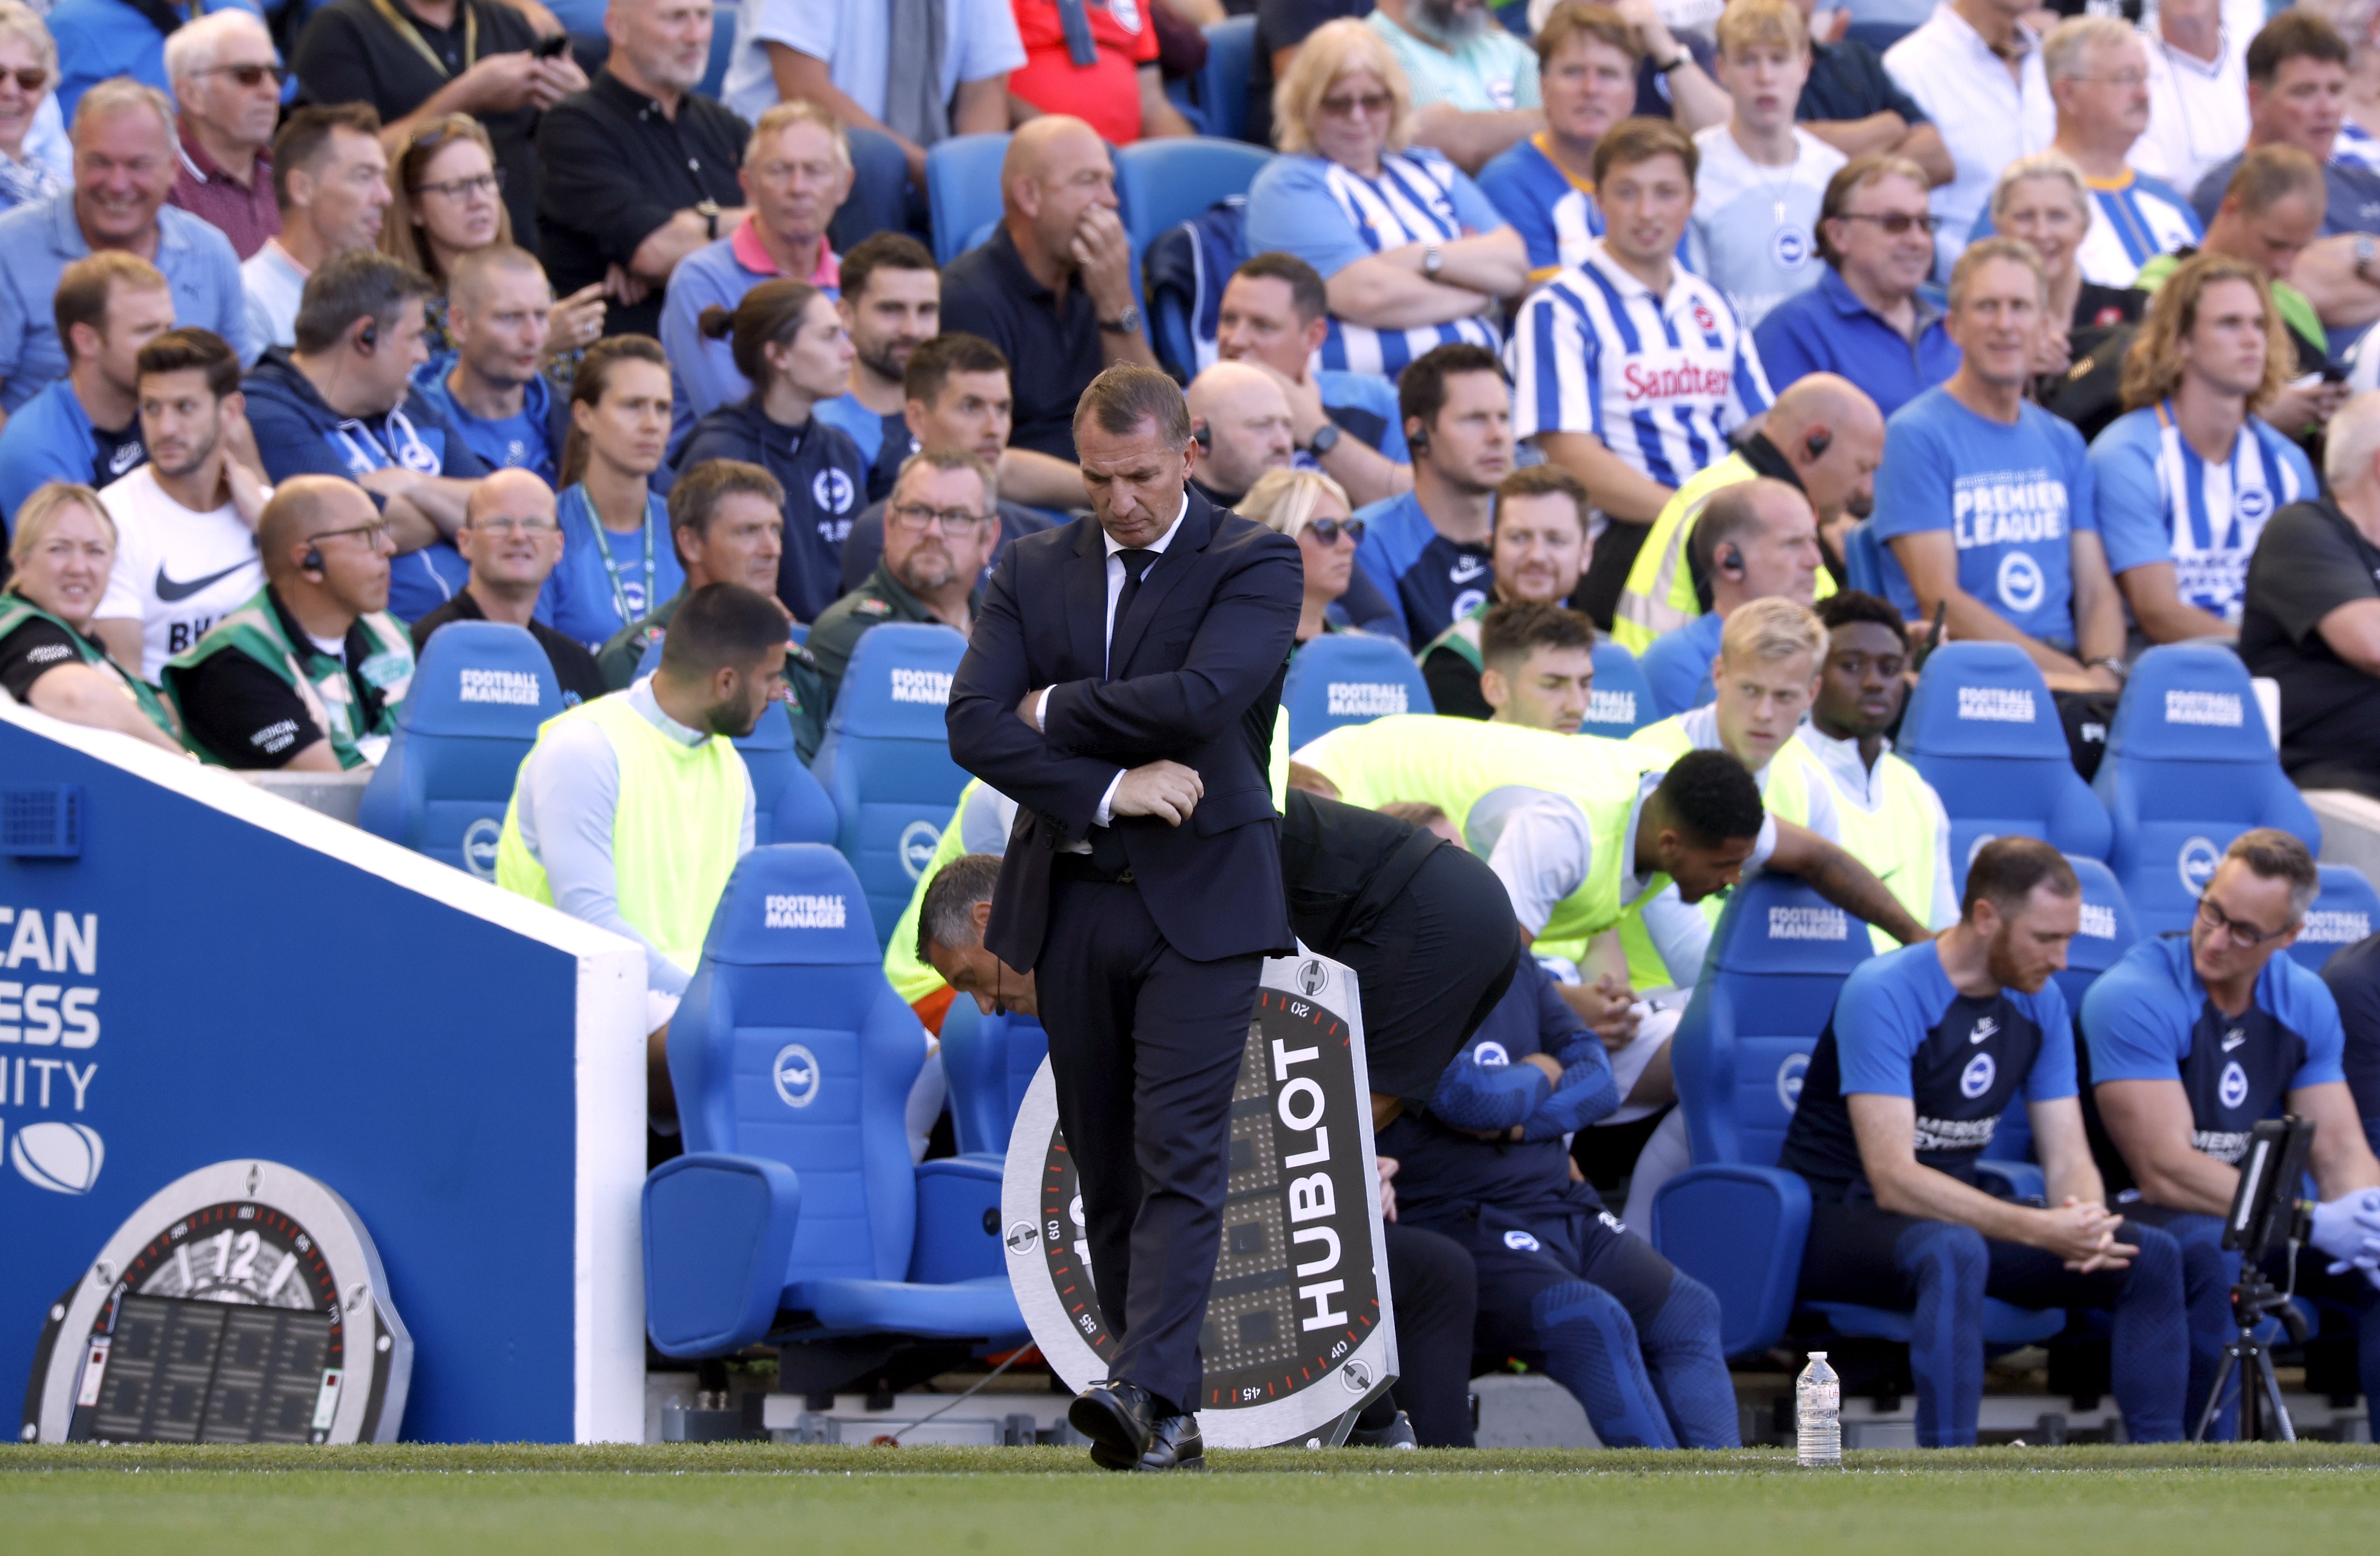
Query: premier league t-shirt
x,y
2160,501
2010,497
176,573
2148,1018
1754,229
1432,582
1901,1028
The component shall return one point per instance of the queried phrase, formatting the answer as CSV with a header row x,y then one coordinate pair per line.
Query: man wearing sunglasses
x,y
511,541
940,525
308,675
227,79
2193,1040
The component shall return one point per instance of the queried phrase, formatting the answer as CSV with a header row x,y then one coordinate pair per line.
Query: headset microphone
x,y
1203,436
312,561
1418,440
1818,442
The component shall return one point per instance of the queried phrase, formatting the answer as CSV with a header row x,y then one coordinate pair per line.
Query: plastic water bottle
x,y
1818,1415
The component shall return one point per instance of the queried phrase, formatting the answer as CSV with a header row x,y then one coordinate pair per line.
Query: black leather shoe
x,y
1175,1444
1118,1417
1398,1433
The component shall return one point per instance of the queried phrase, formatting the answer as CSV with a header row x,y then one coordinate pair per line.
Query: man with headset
x,y
1756,540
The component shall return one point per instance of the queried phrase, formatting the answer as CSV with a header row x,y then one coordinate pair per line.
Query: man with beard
x,y
1888,817
1927,1048
1537,552
1480,79
1824,435
940,525
185,522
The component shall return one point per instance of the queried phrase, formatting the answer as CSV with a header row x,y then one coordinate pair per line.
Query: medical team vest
x,y
320,680
1457,763
16,611
675,829
1896,839
1660,594
1966,1070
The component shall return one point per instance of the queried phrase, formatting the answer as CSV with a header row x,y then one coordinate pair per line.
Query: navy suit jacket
x,y
1198,664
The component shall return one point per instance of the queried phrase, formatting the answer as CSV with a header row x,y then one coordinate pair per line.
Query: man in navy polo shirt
x,y
2191,1042
1927,1048
1865,318
1987,500
1430,550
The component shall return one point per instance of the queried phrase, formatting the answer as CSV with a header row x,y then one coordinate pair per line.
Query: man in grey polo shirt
x,y
125,166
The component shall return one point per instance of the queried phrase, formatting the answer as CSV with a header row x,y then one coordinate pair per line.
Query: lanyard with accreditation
x,y
412,35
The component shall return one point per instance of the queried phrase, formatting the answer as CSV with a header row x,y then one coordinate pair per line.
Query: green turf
x,y
930,1502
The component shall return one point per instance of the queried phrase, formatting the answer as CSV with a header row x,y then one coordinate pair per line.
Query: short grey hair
x,y
2067,50
2351,441
21,21
198,44
951,459
946,913
2271,854
2042,164
119,94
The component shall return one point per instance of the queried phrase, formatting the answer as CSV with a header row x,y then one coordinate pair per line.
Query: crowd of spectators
x,y
1550,323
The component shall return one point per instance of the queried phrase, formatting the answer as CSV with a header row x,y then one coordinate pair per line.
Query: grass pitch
x,y
937,1502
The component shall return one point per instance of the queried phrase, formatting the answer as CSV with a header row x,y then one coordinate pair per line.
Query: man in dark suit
x,y
1120,684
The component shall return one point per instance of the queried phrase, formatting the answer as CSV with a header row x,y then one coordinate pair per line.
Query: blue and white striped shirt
x,y
1330,216
1661,380
2160,502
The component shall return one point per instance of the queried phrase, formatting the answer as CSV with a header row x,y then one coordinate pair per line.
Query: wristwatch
x,y
1685,58
2365,252
1125,323
1325,439
1433,260
2113,666
709,211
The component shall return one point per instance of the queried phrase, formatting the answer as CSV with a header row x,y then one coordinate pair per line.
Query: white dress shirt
x,y
1987,117
2198,113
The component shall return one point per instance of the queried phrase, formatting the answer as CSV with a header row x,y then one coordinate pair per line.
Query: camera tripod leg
x,y
2215,1397
2280,1413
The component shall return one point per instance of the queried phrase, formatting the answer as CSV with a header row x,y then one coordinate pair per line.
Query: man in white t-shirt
x,y
185,522
1762,179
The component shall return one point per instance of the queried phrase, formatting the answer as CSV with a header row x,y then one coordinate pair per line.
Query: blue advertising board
x,y
209,972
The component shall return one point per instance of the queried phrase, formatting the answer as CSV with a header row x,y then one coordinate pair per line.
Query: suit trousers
x,y
1145,1047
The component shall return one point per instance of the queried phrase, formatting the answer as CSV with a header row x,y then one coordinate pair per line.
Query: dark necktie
x,y
1135,567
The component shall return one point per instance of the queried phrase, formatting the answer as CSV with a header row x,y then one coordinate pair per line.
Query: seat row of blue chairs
x,y
1354,678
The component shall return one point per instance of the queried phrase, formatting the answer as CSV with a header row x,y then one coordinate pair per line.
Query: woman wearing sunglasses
x,y
1313,510
1864,318
1412,254
446,198
64,549
29,71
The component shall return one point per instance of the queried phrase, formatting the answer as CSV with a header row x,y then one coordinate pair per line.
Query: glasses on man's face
x,y
911,519
30,79
1894,223
373,533
1326,531
464,189
2246,936
2128,79
503,526
1368,105
249,74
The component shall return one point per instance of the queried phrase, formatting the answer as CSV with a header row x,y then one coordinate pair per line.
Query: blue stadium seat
x,y
481,691
795,1214
1159,183
1220,88
989,1061
1865,559
1735,1220
1621,703
2342,915
2190,766
724,16
1350,678
1982,728
788,806
962,193
886,759
2108,931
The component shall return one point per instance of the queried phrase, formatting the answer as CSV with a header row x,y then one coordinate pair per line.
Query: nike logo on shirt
x,y
170,592
1985,1028
2233,1038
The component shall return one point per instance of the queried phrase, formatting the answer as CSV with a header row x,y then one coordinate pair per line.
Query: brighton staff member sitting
x,y
721,535
2191,1042
1536,665
632,809
940,525
512,541
1537,553
49,658
1757,540
1927,1048
308,675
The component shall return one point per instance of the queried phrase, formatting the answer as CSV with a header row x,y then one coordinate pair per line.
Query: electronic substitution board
x,y
242,1303
1300,1333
